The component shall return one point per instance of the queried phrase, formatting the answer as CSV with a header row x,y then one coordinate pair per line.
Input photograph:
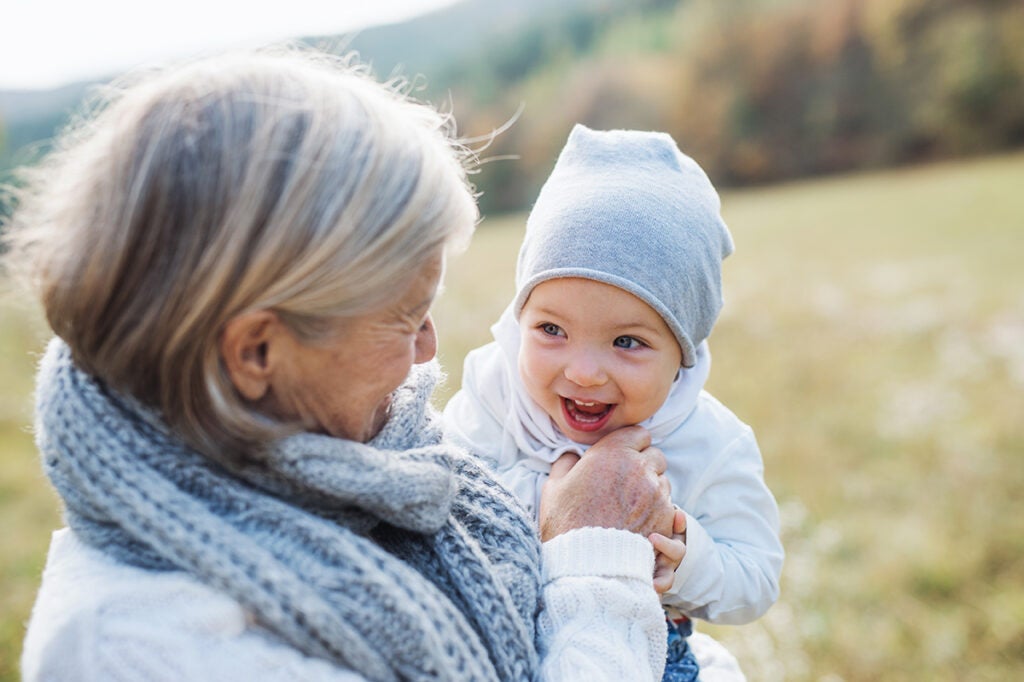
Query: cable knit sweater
x,y
99,620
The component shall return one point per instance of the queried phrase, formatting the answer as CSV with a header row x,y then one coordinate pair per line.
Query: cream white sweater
x,y
96,619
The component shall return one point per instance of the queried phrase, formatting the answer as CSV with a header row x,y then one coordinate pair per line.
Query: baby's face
x,y
594,357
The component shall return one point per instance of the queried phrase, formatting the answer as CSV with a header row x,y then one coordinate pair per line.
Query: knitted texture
x,y
627,208
400,559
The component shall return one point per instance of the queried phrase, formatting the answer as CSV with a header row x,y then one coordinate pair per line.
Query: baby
x,y
618,285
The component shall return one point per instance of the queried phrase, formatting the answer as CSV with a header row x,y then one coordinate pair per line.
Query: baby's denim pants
x,y
680,665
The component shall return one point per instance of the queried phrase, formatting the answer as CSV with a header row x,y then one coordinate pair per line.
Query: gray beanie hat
x,y
627,208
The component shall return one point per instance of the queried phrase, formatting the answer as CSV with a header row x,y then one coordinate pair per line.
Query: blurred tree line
x,y
757,91
28,122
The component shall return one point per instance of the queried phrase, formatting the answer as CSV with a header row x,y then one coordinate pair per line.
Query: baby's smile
x,y
586,416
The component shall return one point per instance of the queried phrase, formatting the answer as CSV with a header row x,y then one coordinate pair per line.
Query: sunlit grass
x,y
28,508
875,339
873,336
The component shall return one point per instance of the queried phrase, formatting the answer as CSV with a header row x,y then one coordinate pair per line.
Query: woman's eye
x,y
551,329
627,342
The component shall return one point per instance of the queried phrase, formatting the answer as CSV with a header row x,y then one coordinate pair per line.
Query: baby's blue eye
x,y
551,329
627,342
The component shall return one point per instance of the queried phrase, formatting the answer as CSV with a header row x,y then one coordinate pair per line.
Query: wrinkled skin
x,y
619,483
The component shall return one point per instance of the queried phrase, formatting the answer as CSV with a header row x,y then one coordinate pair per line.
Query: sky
x,y
48,43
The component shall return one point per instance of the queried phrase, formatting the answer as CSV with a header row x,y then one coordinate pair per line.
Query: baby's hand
x,y
670,553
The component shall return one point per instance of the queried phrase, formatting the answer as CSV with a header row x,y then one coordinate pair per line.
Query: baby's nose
x,y
585,370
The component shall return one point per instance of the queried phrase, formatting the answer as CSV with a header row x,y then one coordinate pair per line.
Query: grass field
x,y
873,336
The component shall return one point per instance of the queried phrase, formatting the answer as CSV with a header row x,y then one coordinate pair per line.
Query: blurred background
x,y
870,155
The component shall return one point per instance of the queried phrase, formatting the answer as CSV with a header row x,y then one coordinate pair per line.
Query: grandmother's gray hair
x,y
284,180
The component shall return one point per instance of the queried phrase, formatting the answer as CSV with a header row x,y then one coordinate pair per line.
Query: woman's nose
x,y
585,369
426,342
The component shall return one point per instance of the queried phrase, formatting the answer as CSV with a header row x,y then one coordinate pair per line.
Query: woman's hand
x,y
620,483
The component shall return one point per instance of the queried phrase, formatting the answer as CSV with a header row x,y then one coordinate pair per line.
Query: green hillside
x,y
873,336
757,91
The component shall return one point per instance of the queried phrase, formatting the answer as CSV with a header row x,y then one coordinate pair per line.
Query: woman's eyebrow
x,y
423,306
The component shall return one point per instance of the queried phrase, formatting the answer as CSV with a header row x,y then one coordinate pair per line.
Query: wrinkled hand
x,y
669,553
620,483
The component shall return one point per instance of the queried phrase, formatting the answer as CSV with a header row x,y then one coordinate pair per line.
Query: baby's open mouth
x,y
586,416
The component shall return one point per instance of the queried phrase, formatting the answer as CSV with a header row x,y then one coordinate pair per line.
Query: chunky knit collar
x,y
343,549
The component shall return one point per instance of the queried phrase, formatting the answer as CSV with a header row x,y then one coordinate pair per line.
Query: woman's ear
x,y
245,351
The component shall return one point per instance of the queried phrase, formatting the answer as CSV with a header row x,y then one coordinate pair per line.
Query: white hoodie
x,y
730,573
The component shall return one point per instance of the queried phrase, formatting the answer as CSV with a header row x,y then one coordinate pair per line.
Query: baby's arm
x,y
730,573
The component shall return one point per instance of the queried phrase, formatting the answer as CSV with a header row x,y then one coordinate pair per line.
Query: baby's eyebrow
x,y
636,325
544,311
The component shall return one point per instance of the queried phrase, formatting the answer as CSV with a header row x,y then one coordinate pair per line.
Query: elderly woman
x,y
238,259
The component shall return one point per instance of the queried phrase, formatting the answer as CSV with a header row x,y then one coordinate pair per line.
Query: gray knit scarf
x,y
399,559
